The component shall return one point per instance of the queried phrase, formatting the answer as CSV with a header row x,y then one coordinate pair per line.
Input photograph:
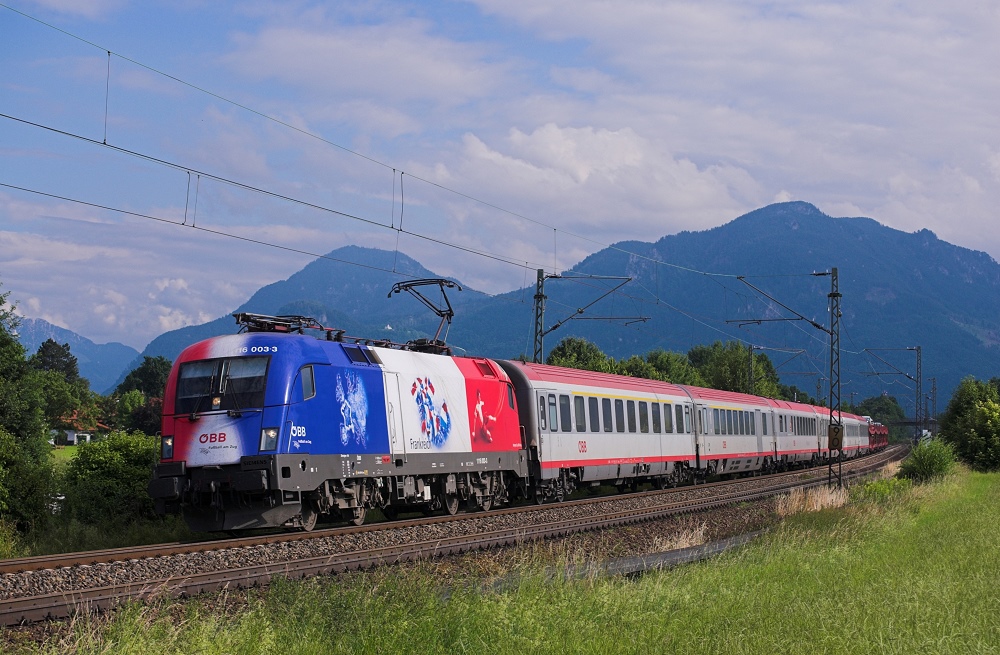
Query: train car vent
x,y
485,368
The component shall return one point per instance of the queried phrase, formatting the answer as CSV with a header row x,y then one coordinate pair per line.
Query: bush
x,y
881,491
929,460
106,482
972,424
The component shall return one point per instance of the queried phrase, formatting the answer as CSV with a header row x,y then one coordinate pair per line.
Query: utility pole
x,y
750,384
539,317
919,419
933,416
540,298
836,428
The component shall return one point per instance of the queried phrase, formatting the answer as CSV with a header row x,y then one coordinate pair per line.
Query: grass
x,y
63,454
910,571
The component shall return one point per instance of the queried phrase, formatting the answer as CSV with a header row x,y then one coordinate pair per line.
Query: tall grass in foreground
x,y
915,574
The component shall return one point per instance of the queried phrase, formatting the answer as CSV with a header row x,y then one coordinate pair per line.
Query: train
x,y
289,421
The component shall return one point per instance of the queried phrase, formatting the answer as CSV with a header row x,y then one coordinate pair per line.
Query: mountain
x,y
101,364
900,290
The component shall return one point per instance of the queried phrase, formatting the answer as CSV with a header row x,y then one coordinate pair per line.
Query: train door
x,y
394,418
760,433
547,408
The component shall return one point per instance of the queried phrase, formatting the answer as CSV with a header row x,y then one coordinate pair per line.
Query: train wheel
x,y
391,512
486,503
355,516
451,503
309,517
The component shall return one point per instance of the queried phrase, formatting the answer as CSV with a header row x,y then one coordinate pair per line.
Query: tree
x,y
886,410
727,367
674,367
574,352
150,377
54,357
971,423
25,466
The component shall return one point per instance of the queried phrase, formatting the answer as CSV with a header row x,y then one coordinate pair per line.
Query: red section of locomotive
x,y
492,408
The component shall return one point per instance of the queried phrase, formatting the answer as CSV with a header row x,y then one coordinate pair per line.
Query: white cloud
x,y
397,60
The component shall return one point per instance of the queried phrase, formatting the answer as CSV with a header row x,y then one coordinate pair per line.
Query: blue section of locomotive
x,y
247,459
335,406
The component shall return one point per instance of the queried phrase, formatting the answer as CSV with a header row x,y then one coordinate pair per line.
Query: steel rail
x,y
58,605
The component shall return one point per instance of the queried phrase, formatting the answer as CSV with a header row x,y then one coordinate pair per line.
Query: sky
x,y
160,161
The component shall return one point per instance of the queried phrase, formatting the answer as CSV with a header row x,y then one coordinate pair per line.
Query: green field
x,y
917,573
63,454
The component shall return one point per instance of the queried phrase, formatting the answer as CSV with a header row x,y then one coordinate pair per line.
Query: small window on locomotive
x,y
619,416
541,412
631,415
606,413
579,409
643,416
553,414
679,412
484,368
308,383
595,414
510,395
356,355
656,417
564,413
668,418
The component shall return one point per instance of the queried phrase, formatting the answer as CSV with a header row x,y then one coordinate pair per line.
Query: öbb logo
x,y
298,430
214,437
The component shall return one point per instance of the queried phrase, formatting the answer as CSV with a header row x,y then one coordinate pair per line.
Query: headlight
x,y
166,447
269,438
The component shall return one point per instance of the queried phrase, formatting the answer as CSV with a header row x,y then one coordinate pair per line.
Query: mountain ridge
x,y
899,290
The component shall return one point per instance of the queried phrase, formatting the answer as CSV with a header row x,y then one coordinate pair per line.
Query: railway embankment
x,y
909,571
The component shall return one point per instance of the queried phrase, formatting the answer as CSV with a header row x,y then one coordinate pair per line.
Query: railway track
x,y
359,547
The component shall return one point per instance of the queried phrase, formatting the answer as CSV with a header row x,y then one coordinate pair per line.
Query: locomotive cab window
x,y
308,382
233,383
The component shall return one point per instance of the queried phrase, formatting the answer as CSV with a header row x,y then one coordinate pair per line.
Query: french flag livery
x,y
276,427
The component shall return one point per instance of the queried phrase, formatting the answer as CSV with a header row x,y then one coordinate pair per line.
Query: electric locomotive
x,y
273,427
